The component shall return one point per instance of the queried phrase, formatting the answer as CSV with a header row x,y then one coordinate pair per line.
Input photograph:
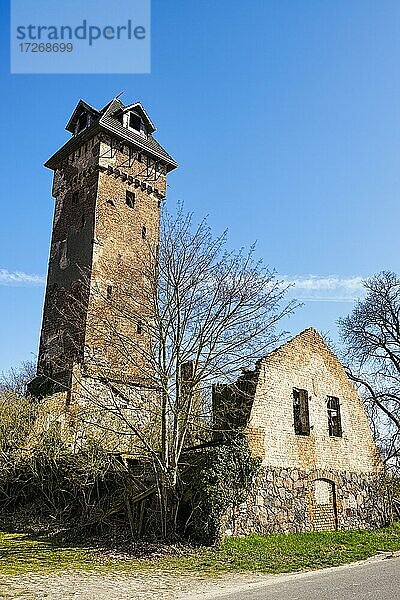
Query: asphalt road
x,y
376,580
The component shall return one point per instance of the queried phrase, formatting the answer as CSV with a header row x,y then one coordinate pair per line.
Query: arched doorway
x,y
324,507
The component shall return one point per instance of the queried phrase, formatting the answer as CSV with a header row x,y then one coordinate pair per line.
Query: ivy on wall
x,y
220,477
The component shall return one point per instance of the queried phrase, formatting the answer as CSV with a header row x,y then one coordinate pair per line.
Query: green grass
x,y
20,553
278,553
284,553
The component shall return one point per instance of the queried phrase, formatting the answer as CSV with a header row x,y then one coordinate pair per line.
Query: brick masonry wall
x,y
113,414
122,256
98,237
100,416
309,481
75,190
307,363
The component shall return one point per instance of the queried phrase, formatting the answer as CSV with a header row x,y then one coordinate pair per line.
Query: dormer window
x,y
82,122
135,122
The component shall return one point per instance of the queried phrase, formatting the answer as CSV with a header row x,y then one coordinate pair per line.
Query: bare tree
x,y
371,334
191,314
17,378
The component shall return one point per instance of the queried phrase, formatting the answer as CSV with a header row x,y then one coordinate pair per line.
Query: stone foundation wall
x,y
293,500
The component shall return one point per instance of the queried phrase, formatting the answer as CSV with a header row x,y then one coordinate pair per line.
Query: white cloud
x,y
317,288
19,278
310,288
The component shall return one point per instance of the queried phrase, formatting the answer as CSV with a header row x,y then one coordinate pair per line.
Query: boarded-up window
x,y
300,412
334,419
322,492
187,371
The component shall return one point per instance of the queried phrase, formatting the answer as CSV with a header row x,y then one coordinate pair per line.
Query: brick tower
x,y
109,183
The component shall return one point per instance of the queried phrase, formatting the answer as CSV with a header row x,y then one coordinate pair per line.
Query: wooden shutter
x,y
304,413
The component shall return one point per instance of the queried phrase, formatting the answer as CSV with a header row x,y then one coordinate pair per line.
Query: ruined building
x,y
109,183
307,424
304,418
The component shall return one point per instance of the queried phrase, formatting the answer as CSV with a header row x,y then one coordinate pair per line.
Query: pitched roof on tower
x,y
109,119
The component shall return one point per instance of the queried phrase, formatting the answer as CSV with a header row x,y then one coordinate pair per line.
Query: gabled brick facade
x,y
314,480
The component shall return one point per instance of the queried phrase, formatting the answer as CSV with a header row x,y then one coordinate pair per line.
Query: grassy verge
x,y
21,553
297,552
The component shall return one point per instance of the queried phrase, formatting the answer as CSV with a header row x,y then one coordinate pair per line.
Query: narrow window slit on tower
x,y
144,232
130,198
109,292
130,153
301,412
139,327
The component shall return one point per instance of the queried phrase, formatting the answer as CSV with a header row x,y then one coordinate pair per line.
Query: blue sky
x,y
285,119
